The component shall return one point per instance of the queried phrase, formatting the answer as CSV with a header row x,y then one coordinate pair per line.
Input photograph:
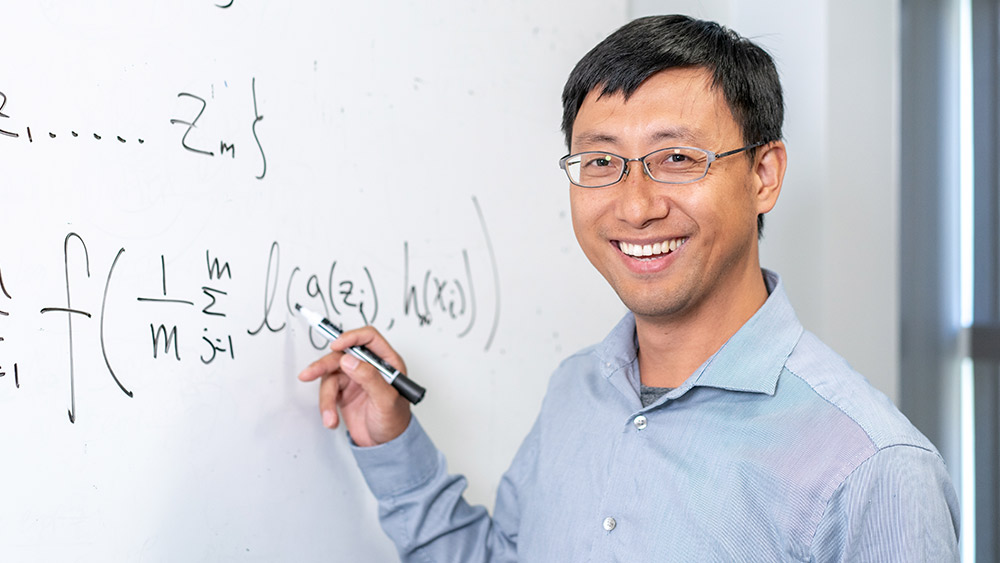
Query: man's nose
x,y
641,199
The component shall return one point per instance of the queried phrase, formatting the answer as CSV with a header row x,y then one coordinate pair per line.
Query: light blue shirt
x,y
773,450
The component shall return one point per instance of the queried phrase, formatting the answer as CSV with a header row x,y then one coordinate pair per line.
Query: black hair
x,y
744,72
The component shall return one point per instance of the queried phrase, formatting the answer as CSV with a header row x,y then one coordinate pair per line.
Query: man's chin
x,y
652,306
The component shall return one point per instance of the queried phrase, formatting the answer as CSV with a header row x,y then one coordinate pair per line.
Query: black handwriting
x,y
273,264
257,119
69,316
3,102
192,124
104,302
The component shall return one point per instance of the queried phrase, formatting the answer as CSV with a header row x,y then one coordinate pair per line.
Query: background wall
x,y
834,235
175,175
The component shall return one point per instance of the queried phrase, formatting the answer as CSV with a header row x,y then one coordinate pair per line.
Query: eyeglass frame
x,y
712,157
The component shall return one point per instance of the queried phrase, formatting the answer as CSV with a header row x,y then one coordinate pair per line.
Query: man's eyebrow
x,y
680,133
594,139
671,134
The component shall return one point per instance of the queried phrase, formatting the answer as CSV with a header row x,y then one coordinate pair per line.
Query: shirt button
x,y
609,523
639,422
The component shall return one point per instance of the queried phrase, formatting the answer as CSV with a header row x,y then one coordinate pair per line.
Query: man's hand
x,y
372,409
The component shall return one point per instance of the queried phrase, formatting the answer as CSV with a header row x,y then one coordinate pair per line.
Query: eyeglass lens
x,y
673,165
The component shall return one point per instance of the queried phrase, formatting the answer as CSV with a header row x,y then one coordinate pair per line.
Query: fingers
x,y
354,392
327,370
365,375
388,413
371,381
370,338
329,394
328,364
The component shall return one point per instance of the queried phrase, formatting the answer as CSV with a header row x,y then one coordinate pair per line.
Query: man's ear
x,y
768,174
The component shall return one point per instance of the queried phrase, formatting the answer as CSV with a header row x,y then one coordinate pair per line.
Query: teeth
x,y
643,250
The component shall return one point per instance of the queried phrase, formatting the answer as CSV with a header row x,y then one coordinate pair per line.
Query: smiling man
x,y
708,425
682,257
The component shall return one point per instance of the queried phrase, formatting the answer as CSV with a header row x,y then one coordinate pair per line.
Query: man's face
x,y
704,233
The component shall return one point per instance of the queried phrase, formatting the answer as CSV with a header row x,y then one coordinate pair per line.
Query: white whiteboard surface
x,y
199,165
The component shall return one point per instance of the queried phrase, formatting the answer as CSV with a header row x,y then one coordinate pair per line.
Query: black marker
x,y
406,387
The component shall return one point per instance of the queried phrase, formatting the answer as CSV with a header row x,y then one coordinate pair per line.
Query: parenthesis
x,y
371,282
472,295
496,274
104,303
329,288
2,288
288,303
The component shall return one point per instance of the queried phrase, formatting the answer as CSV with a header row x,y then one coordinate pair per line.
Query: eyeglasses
x,y
672,165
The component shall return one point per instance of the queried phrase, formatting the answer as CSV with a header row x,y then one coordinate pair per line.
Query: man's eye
x,y
674,159
598,161
677,159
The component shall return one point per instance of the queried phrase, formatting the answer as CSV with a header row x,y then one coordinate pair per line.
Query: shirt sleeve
x,y
899,505
421,506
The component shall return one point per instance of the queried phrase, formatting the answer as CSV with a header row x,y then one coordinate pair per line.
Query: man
x,y
707,426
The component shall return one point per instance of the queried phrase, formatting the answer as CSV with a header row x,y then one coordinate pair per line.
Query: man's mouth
x,y
651,250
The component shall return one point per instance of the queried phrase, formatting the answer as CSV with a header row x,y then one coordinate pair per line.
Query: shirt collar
x,y
751,360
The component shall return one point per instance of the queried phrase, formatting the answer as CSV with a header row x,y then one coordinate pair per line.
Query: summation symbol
x,y
214,294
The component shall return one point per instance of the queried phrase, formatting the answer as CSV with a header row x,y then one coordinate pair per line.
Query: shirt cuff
x,y
399,465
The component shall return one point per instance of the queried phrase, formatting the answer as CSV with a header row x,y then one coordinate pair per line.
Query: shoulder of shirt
x,y
587,353
832,379
583,363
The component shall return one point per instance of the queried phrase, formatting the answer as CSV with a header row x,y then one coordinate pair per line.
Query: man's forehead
x,y
675,105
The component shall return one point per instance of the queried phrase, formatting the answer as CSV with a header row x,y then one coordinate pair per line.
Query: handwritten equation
x,y
194,106
192,323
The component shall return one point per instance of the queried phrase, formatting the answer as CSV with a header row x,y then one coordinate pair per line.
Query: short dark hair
x,y
742,70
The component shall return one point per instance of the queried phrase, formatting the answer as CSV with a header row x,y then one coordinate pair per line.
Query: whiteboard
x,y
176,174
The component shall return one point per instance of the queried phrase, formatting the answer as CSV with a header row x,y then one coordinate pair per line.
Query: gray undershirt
x,y
649,395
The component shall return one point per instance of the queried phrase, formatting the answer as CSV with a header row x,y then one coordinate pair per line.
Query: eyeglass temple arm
x,y
741,149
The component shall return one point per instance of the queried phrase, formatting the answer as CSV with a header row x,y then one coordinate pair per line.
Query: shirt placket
x,y
617,514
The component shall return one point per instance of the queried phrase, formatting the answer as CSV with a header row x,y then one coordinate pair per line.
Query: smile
x,y
649,250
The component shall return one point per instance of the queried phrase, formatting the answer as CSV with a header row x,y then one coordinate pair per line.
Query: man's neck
x,y
670,350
